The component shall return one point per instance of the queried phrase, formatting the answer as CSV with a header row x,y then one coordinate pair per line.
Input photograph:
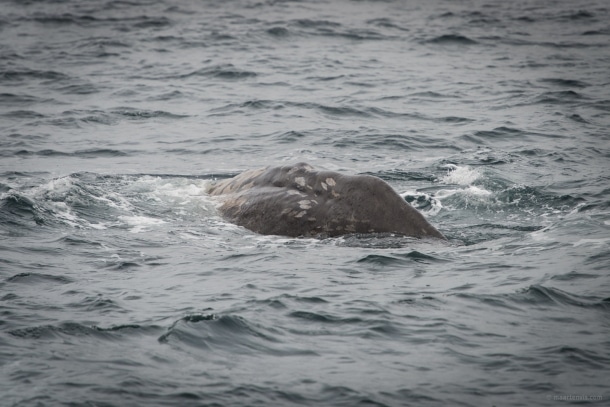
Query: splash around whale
x,y
298,201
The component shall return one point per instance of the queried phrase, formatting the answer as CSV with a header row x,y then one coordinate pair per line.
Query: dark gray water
x,y
121,285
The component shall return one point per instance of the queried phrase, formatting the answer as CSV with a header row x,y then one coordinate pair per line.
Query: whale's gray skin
x,y
300,201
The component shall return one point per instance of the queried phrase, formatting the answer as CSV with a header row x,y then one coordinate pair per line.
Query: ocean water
x,y
120,284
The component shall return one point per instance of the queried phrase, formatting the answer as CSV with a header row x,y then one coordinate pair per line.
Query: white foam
x,y
168,200
464,177
63,212
174,192
460,175
471,191
54,197
435,204
140,223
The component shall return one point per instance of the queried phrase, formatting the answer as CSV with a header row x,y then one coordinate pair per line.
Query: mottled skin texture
x,y
300,201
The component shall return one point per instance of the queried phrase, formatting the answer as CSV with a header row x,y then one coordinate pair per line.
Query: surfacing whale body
x,y
300,201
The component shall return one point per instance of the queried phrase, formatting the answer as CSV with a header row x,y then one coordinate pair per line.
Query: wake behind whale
x,y
300,201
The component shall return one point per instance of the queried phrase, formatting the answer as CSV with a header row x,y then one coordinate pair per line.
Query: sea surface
x,y
121,285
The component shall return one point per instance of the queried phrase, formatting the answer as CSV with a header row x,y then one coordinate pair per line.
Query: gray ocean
x,y
121,284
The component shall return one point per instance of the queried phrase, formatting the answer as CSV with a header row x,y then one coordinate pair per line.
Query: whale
x,y
300,201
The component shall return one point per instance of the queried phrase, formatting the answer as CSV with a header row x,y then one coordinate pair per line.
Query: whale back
x,y
300,201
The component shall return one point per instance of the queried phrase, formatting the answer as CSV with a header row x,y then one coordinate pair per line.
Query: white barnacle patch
x,y
305,204
300,214
300,181
331,182
334,194
324,185
294,192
